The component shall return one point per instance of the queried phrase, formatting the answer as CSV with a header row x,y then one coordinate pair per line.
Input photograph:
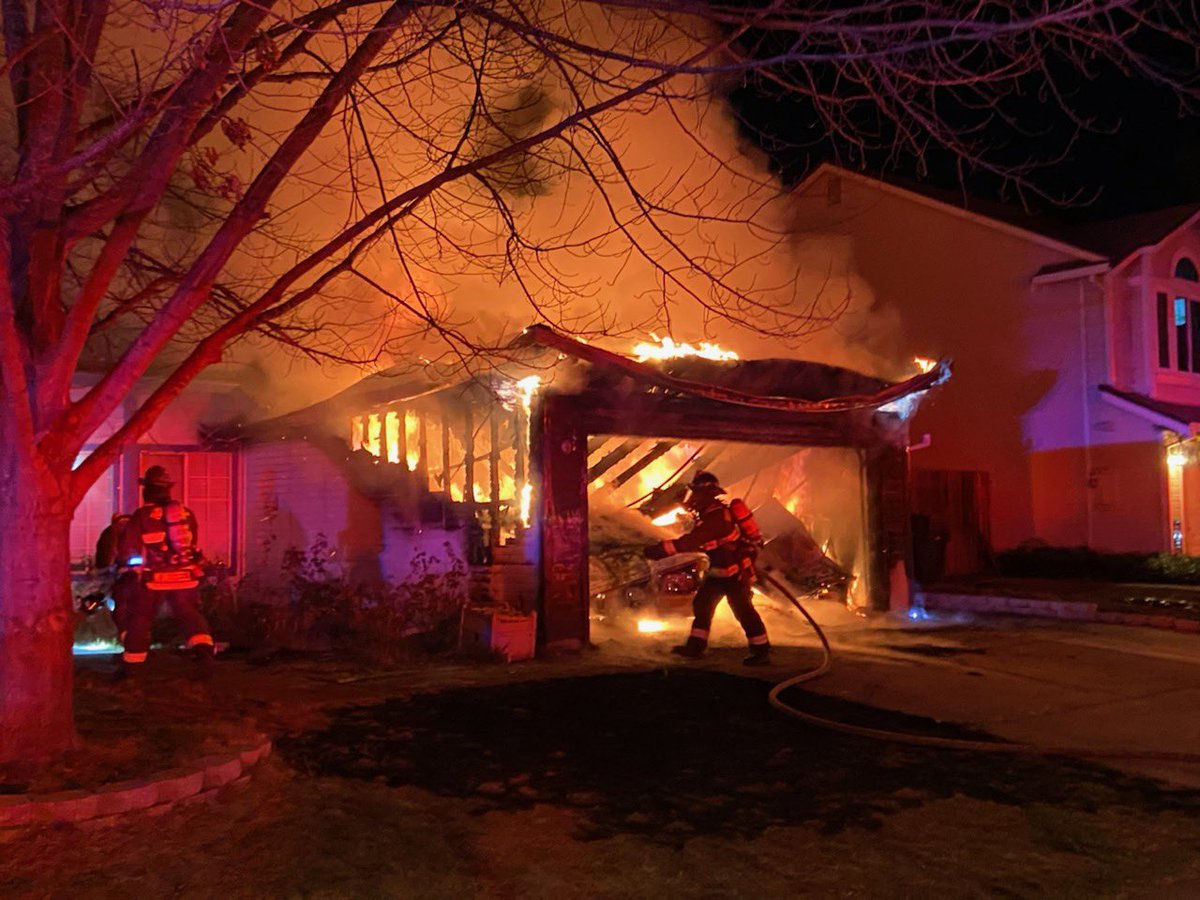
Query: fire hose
x,y
920,740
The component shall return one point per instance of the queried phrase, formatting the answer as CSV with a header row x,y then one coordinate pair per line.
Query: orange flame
x,y
412,440
374,433
668,348
651,626
526,503
670,517
391,423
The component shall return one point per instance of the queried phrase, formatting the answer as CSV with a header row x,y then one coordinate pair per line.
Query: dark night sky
x,y
1143,153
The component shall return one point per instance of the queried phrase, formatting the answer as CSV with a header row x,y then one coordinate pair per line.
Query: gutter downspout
x,y
1084,418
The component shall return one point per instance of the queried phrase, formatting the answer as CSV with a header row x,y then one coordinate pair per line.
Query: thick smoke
x,y
612,231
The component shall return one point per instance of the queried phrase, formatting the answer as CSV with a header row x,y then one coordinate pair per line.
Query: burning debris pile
x,y
807,501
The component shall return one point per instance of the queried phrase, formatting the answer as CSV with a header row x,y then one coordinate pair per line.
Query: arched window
x,y
1186,269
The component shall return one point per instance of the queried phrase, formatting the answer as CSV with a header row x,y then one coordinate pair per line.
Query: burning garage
x,y
547,475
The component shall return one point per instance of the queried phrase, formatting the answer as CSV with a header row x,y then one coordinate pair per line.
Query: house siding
x,y
961,290
295,495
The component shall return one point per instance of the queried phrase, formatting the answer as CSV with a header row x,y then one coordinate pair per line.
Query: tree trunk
x,y
36,611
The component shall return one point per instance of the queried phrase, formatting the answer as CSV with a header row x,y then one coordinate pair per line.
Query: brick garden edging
x,y
157,791
1079,611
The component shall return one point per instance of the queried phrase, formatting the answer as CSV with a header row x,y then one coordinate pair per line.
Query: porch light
x,y
1177,457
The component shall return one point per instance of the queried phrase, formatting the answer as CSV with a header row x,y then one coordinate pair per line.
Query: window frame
x,y
186,452
1175,314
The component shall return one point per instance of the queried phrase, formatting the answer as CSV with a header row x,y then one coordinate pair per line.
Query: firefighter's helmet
x,y
156,476
705,487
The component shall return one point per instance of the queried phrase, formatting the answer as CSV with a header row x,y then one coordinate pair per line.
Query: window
x,y
92,516
1182,357
1180,319
1164,336
1186,269
204,482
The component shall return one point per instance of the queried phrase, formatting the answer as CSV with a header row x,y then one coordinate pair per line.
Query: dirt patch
x,y
128,730
675,754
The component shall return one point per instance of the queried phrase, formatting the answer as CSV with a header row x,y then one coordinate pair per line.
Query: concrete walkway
x,y
1042,682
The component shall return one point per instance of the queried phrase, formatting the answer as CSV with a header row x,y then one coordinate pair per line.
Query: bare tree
x,y
180,175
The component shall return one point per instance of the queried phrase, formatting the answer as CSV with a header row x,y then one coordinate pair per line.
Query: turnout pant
x,y
124,594
185,606
712,591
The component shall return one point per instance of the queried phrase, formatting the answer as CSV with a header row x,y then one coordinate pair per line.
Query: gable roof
x,y
1120,238
1000,217
1111,240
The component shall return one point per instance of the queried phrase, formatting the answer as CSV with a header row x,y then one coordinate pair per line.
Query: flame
x,y
526,503
526,388
667,348
925,365
374,431
661,469
1177,456
357,433
391,423
651,626
670,517
456,493
412,440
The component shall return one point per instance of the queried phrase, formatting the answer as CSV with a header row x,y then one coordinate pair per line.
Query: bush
x,y
1040,561
317,607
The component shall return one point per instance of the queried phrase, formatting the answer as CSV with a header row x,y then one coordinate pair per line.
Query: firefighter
x,y
124,586
159,543
726,531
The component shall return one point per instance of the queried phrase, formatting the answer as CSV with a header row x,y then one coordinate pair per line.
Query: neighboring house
x,y
1076,351
206,471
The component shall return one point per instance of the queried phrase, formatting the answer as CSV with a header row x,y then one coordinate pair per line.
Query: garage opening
x,y
809,503
820,450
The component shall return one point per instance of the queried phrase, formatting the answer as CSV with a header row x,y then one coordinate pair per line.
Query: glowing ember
x,y
526,503
925,365
651,626
667,348
670,517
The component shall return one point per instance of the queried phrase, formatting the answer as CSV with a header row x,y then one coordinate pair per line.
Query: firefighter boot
x,y
203,658
760,655
693,649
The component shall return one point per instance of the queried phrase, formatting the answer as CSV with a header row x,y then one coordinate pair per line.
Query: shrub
x,y
1040,561
318,607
